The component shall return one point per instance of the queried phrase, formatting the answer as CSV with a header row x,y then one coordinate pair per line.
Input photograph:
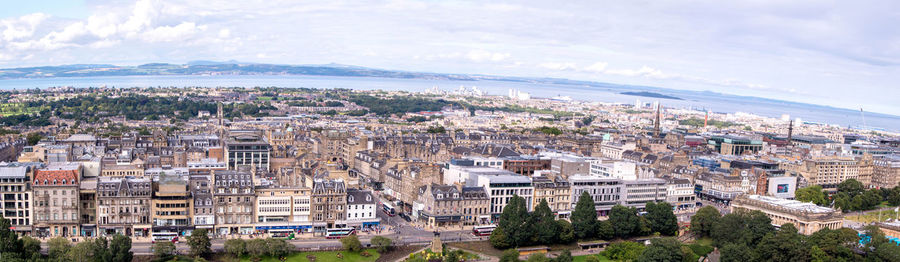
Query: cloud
x,y
21,27
483,56
559,66
172,33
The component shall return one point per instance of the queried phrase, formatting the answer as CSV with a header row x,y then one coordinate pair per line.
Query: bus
x,y
483,230
165,236
282,233
388,209
334,233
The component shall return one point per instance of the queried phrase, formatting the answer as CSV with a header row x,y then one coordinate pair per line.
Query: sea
x,y
600,92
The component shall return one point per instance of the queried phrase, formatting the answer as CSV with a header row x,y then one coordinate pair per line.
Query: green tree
x,y
120,248
564,256
58,247
538,257
164,250
278,247
499,239
351,243
785,245
258,248
382,244
703,221
566,232
10,244
732,252
887,252
837,244
235,247
200,243
605,230
510,255
30,247
514,222
101,250
625,221
81,252
812,194
33,138
624,250
584,217
546,229
816,254
662,249
852,187
662,218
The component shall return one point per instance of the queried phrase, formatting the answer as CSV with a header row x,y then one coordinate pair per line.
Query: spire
x,y
790,132
656,123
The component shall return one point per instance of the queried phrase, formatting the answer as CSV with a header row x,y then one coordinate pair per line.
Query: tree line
x,y
851,196
750,236
516,227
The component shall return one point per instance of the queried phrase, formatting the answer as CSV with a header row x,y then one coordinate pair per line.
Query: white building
x,y
501,187
362,210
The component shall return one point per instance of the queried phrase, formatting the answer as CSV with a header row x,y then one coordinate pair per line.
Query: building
x,y
247,148
605,192
16,195
362,209
525,165
501,187
639,192
171,204
56,198
827,172
734,145
403,180
886,172
807,217
555,191
329,202
680,192
280,208
440,205
234,201
123,206
201,187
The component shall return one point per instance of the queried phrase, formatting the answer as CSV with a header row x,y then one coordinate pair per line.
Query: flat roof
x,y
792,204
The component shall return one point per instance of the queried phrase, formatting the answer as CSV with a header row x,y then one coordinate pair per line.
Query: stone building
x,y
329,202
123,206
56,200
807,217
234,201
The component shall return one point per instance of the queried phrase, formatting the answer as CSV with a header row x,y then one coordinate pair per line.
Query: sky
x,y
836,53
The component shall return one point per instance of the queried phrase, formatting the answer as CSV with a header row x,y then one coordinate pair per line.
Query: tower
x,y
220,114
656,123
790,132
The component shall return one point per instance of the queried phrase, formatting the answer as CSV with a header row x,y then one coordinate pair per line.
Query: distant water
x,y
602,93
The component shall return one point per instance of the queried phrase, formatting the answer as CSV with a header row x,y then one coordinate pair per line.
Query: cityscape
x,y
106,157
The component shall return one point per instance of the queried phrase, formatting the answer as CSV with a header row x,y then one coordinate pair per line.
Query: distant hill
x,y
651,94
216,68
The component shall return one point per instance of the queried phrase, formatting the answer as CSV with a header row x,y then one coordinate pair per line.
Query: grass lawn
x,y
704,241
871,216
584,258
323,256
483,247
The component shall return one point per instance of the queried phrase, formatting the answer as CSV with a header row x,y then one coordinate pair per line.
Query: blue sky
x,y
837,53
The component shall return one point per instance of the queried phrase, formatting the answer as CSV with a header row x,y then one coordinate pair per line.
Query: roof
x,y
359,197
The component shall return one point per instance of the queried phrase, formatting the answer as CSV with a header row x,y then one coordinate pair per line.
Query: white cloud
x,y
224,33
567,66
22,27
172,33
597,67
484,56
